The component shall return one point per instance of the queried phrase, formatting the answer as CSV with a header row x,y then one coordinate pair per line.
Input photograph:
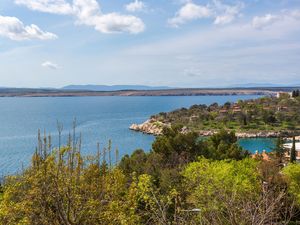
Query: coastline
x,y
153,127
15,92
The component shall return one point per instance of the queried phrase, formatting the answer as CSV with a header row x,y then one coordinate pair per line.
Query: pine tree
x,y
296,93
293,150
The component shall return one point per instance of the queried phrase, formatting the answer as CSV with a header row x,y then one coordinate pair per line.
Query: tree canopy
x,y
183,180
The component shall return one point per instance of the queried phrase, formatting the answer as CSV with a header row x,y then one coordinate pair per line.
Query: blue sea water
x,y
98,120
258,144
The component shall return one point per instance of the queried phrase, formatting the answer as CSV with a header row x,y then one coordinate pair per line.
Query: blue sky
x,y
179,43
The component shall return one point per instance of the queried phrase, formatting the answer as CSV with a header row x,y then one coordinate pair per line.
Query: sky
x,y
178,43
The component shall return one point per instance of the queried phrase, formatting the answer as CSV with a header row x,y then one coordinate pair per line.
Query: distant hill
x,y
263,85
113,87
260,85
155,91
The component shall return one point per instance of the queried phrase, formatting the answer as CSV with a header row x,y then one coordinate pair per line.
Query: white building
x,y
284,94
289,146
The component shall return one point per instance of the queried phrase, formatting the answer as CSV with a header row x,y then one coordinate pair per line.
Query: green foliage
x,y
188,147
223,145
134,163
185,146
174,150
279,150
293,151
265,114
233,192
61,187
296,93
238,181
183,180
292,173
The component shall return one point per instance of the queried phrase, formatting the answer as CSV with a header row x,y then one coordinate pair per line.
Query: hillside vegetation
x,y
264,114
182,181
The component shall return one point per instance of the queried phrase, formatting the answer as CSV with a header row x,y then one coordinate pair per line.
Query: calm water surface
x,y
99,119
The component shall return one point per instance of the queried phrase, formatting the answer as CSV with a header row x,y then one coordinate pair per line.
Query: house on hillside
x,y
194,118
223,111
288,147
264,156
284,95
282,108
236,109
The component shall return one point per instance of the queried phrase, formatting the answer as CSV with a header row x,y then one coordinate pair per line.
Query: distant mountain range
x,y
138,90
107,88
262,85
113,87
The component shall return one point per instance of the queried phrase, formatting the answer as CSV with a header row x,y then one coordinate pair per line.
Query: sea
x,y
98,119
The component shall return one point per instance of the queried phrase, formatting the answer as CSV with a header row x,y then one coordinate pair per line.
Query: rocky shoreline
x,y
154,127
150,126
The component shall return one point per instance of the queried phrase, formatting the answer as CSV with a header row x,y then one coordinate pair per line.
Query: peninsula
x,y
264,117
48,92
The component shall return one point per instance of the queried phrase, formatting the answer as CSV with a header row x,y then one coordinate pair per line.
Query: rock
x,y
185,130
149,127
207,133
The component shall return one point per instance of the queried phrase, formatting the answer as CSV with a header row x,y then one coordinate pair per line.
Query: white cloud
x,y
234,52
50,65
226,13
49,6
221,13
88,12
14,29
223,37
135,6
116,23
259,22
188,12
295,14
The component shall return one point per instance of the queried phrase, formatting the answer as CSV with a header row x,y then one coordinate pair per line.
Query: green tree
x,y
293,151
63,188
232,192
296,93
134,163
279,150
218,187
223,145
292,174
177,147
